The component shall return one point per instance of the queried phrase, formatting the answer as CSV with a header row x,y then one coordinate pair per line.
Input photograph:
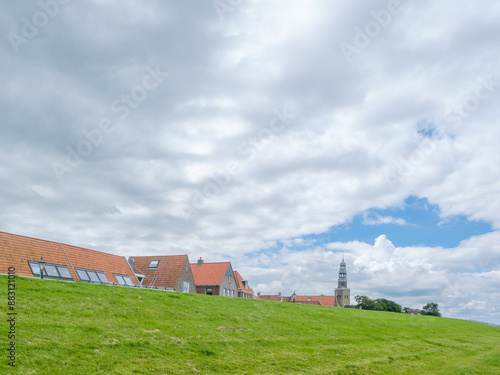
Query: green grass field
x,y
77,328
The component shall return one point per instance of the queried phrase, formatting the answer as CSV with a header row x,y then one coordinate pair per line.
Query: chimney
x,y
279,294
200,262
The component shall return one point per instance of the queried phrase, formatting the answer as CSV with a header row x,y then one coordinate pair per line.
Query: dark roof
x,y
17,250
167,272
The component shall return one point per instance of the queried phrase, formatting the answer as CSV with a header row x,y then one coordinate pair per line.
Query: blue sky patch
x,y
417,223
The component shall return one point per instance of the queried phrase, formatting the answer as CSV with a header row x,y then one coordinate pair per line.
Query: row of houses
x,y
34,257
320,300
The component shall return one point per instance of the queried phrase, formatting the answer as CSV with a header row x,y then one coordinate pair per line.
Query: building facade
x,y
171,272
342,292
214,278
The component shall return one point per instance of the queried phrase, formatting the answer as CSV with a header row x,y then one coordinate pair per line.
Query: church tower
x,y
342,292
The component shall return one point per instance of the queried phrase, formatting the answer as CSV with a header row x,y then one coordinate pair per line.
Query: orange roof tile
x,y
209,273
17,250
239,282
166,274
323,300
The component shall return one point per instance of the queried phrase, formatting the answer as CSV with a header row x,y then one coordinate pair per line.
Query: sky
x,y
278,135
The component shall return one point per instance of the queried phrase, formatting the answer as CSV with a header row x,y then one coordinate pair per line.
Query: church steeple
x,y
342,292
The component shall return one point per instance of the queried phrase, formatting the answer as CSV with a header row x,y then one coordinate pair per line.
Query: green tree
x,y
380,304
430,309
364,303
383,304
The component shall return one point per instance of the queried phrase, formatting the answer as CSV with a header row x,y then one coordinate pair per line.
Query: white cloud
x,y
377,219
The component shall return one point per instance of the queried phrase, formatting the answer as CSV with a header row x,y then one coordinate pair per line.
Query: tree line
x,y
382,304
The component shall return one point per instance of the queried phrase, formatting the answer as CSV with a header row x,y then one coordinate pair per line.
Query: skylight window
x,y
92,276
35,268
123,280
83,275
154,264
102,277
128,280
64,272
52,271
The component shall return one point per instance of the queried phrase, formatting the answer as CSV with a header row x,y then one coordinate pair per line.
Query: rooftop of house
x,y
243,286
209,273
17,251
160,270
310,300
316,300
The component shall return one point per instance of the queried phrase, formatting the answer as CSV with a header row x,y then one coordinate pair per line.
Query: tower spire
x,y
342,292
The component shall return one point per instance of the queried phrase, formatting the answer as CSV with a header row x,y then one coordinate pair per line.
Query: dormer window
x,y
154,264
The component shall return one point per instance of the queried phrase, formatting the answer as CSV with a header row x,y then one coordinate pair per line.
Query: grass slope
x,y
78,328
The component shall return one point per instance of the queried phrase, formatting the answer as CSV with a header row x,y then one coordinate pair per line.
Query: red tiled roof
x,y
315,300
323,300
239,282
17,250
165,275
209,273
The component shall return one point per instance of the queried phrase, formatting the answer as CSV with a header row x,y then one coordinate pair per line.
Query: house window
x,y
185,287
154,264
102,276
52,271
92,276
123,280
35,268
308,299
83,275
64,272
209,291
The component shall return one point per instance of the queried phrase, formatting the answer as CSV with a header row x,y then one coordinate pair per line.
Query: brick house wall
x,y
228,283
186,276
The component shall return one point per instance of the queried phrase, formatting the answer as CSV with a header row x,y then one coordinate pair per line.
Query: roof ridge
x,y
54,242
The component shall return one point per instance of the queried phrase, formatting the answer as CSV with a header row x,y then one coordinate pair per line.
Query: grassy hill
x,y
78,328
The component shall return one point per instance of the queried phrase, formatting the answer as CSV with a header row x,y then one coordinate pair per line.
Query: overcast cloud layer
x,y
220,129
